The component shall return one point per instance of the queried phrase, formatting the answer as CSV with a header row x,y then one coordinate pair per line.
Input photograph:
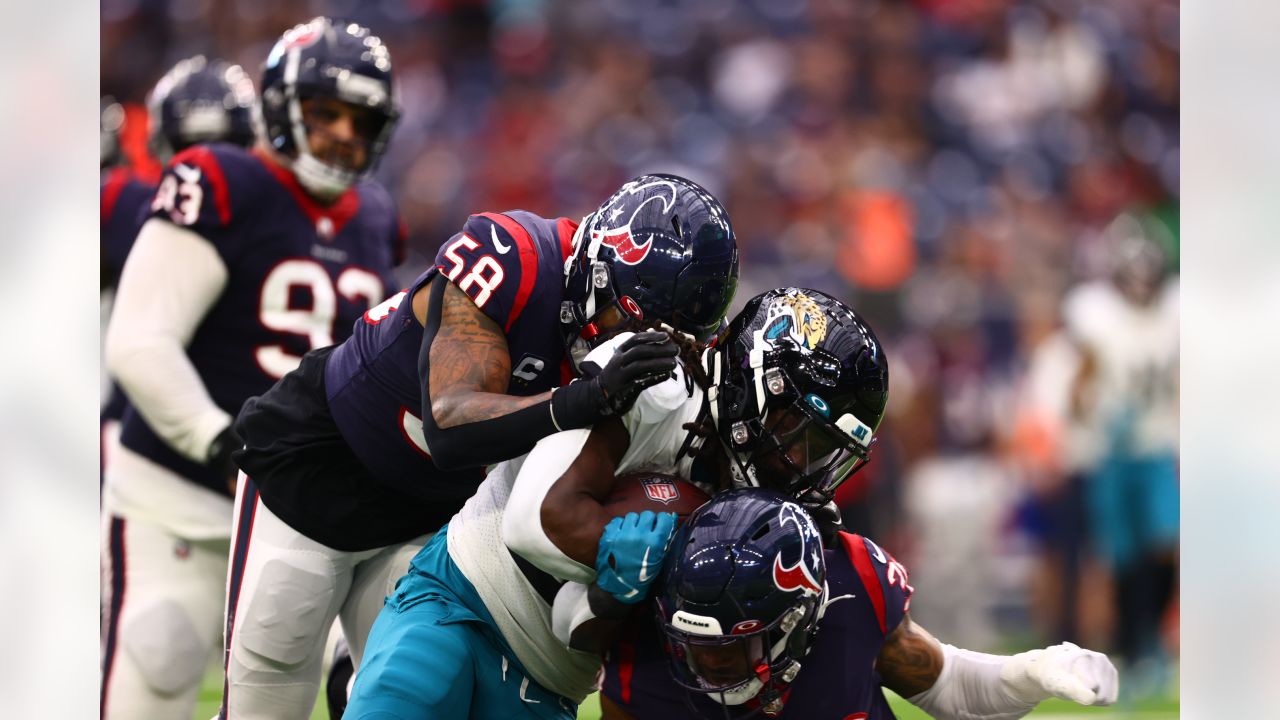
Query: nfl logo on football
x,y
660,490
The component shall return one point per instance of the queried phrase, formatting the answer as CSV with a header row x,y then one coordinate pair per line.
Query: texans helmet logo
x,y
619,237
302,36
798,576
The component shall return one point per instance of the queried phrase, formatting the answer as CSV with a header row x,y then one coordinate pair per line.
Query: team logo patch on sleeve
x,y
660,490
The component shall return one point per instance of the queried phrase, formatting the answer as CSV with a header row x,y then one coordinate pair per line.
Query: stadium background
x,y
950,167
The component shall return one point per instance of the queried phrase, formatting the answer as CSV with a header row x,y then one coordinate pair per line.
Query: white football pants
x,y
283,592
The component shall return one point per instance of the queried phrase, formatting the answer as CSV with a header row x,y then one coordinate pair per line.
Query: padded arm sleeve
x,y
477,443
171,279
970,687
522,522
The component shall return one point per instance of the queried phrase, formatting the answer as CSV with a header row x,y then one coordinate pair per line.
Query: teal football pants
x,y
434,652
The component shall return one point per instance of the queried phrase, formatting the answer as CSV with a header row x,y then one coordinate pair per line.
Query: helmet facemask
x,y
734,668
297,72
790,441
324,174
741,597
599,312
659,249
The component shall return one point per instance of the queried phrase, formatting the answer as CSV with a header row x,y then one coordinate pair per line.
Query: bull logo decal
x,y
798,576
617,235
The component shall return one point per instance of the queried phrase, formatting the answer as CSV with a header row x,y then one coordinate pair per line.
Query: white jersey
x,y
475,534
1135,401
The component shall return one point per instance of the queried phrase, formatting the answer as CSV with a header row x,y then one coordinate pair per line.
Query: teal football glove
x,y
631,552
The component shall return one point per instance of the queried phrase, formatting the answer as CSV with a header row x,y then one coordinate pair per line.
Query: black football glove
x,y
644,360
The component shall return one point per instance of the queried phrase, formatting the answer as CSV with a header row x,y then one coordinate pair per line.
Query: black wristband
x,y
576,405
605,606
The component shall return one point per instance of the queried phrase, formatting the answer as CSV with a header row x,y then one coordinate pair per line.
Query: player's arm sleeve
x,y
172,277
468,420
487,274
970,685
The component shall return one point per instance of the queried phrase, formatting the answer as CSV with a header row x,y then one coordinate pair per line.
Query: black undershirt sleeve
x,y
501,438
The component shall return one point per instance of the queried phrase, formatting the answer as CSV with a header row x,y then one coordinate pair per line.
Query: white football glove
x,y
1063,671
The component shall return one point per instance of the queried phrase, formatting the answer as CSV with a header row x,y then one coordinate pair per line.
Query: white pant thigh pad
x,y
289,610
161,641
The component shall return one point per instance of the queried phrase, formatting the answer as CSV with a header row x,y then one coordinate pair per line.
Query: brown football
x,y
637,491
642,490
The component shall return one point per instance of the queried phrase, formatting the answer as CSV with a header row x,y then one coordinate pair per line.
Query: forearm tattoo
x,y
910,661
470,366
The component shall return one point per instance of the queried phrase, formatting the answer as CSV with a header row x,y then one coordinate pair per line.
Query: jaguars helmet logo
x,y
797,317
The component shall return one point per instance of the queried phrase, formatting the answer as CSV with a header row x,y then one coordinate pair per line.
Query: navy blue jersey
x,y
123,199
299,274
837,679
512,266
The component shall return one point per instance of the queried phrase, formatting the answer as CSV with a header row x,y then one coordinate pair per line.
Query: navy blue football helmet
x,y
327,58
200,100
800,386
743,588
660,248
110,124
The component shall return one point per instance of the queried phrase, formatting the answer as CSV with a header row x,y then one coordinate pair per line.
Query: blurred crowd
x,y
950,167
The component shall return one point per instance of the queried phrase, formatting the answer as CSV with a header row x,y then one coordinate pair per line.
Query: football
x,y
645,490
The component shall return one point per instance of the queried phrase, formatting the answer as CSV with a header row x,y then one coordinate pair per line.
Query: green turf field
x,y
590,710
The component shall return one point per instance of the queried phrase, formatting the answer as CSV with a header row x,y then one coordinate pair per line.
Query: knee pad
x,y
162,642
285,620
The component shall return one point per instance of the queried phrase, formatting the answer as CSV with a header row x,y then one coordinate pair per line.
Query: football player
x,y
249,259
355,459
757,617
197,101
523,650
1126,329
